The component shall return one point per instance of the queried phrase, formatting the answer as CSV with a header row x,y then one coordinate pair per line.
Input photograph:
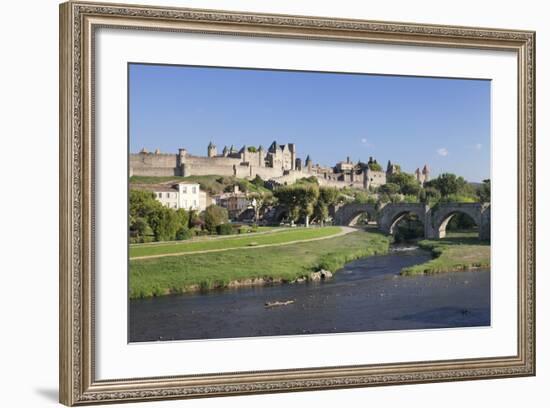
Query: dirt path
x,y
345,230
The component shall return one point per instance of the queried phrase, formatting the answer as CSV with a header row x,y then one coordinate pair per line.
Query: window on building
x,y
160,195
194,189
194,203
167,195
184,189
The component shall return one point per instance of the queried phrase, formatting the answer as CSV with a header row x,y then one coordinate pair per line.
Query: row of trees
x,y
307,201
151,221
447,187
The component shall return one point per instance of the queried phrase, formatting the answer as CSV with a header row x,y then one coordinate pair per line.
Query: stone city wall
x,y
158,165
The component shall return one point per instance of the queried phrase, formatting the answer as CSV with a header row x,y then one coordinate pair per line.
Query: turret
x,y
225,151
426,170
261,156
292,148
425,174
418,175
308,163
212,151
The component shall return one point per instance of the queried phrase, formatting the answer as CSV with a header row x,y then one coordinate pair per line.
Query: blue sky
x,y
411,121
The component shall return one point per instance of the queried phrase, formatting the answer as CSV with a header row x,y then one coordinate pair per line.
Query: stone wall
x,y
150,164
199,169
374,178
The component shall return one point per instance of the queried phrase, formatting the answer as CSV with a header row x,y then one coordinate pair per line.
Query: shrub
x,y
243,229
224,229
214,215
183,233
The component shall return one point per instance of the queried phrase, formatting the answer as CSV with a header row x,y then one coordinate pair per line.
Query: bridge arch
x,y
346,214
391,214
443,213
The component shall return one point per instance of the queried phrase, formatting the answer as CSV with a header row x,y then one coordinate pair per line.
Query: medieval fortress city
x,y
278,165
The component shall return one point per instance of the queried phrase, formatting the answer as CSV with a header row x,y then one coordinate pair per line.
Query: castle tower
x,y
392,168
261,156
180,162
425,174
292,149
418,175
212,151
308,163
225,151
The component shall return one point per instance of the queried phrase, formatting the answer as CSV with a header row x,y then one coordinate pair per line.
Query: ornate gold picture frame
x,y
78,24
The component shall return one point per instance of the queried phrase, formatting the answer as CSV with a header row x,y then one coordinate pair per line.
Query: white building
x,y
182,195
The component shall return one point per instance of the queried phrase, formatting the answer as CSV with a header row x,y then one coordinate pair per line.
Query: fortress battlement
x,y
278,164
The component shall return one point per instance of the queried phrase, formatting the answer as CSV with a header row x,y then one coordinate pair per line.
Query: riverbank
x,y
255,266
461,252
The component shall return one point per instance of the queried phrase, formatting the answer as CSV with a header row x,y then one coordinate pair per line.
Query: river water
x,y
366,295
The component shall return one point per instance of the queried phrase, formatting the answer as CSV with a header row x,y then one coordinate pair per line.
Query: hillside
x,y
212,184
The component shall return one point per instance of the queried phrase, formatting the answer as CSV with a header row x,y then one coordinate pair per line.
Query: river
x,y
366,295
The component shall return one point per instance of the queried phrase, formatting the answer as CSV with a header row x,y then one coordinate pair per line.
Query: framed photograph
x,y
256,203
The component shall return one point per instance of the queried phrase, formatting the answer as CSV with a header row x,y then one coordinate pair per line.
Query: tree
x,y
182,221
408,184
388,188
328,196
142,203
214,215
307,197
429,195
258,181
150,219
140,231
411,189
484,191
448,183
164,224
298,200
263,200
375,166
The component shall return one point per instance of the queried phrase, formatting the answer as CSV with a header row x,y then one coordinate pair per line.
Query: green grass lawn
x,y
238,241
457,252
178,274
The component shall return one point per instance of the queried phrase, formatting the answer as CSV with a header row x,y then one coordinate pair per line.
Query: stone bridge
x,y
435,219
